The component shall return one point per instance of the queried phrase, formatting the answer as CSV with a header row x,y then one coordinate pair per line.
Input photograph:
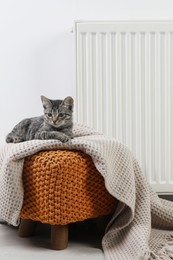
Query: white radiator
x,y
124,88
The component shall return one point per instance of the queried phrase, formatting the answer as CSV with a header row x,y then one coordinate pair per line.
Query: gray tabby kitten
x,y
56,123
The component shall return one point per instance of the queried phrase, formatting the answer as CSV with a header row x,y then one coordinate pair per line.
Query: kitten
x,y
56,123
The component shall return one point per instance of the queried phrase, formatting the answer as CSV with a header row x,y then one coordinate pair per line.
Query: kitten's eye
x,y
60,115
49,114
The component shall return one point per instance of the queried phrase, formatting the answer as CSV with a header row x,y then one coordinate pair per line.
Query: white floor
x,y
84,244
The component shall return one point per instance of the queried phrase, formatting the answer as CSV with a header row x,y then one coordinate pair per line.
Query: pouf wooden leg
x,y
26,228
59,237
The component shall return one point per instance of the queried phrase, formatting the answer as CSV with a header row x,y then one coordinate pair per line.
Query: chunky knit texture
x,y
63,186
128,235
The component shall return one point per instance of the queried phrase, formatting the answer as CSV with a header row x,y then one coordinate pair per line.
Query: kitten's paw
x,y
65,139
17,139
9,139
14,139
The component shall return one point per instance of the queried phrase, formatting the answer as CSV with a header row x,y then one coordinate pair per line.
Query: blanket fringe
x,y
146,256
165,250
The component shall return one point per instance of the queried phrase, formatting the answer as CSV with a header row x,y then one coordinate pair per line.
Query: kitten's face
x,y
57,112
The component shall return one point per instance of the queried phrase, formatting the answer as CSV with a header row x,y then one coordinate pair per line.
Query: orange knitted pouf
x,y
61,187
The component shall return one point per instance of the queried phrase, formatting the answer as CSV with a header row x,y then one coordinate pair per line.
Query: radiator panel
x,y
124,88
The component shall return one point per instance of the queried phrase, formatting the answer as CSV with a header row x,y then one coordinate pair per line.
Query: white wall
x,y
36,47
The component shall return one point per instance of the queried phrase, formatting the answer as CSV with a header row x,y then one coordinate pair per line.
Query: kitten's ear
x,y
68,102
46,102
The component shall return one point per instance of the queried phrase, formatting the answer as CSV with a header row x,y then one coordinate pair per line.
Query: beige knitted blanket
x,y
129,234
